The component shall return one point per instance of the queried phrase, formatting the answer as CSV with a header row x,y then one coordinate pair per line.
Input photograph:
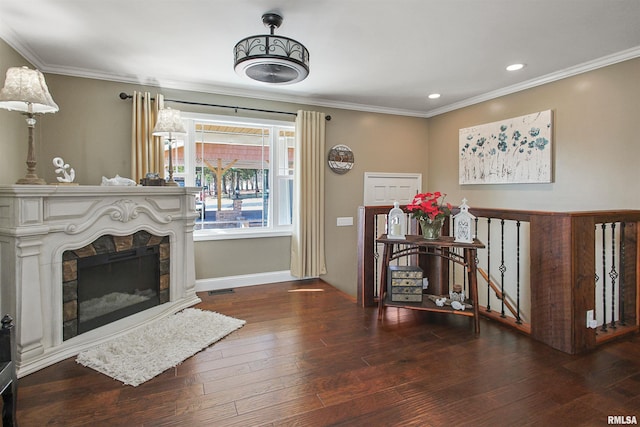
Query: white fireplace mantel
x,y
39,222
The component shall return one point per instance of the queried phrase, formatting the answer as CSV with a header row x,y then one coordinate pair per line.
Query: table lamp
x,y
26,91
168,125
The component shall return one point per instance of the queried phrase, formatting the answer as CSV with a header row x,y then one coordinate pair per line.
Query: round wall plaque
x,y
340,159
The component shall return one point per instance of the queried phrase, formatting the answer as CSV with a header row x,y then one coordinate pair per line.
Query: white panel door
x,y
382,188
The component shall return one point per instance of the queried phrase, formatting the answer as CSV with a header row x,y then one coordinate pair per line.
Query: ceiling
x,y
370,55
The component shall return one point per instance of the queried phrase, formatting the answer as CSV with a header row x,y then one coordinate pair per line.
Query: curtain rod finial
x,y
124,95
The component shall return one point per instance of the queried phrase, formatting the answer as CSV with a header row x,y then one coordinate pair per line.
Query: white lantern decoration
x,y
462,224
396,222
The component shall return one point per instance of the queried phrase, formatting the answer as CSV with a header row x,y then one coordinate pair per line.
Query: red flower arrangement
x,y
429,206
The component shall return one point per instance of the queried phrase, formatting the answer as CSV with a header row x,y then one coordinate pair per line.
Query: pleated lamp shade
x,y
169,123
26,90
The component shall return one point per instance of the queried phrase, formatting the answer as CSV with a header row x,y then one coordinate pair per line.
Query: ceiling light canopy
x,y
271,59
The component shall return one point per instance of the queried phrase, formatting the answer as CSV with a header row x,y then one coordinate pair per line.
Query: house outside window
x,y
244,168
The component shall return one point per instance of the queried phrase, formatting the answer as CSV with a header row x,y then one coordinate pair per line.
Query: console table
x,y
417,245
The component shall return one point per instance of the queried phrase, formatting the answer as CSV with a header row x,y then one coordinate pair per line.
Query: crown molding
x,y
604,61
251,93
319,102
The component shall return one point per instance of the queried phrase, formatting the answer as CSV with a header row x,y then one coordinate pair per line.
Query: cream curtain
x,y
307,241
147,151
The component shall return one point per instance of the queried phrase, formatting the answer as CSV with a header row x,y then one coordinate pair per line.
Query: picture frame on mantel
x,y
510,151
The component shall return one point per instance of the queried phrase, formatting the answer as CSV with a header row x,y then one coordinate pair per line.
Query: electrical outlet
x,y
591,322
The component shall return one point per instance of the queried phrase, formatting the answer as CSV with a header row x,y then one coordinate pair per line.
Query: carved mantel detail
x,y
123,210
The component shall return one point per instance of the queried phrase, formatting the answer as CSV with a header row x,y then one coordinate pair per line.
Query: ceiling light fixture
x,y
515,67
271,59
434,96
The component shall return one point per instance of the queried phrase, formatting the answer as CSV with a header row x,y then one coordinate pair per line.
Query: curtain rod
x,y
125,96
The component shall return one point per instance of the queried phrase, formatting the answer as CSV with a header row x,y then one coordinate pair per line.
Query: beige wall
x,y
223,258
596,147
380,143
91,132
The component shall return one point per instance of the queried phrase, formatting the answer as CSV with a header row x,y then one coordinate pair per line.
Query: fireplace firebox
x,y
112,278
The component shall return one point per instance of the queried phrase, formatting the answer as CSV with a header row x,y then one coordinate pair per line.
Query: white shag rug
x,y
146,352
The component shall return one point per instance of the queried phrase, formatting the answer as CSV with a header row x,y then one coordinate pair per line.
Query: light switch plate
x,y
344,221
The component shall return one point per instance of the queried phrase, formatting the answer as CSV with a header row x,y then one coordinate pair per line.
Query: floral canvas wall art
x,y
510,151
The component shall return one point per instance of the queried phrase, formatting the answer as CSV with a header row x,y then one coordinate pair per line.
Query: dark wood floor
x,y
316,359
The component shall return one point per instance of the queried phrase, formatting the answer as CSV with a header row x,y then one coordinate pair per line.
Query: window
x,y
245,169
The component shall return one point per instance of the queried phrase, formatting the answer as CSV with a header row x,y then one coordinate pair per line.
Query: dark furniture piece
x,y
440,248
8,378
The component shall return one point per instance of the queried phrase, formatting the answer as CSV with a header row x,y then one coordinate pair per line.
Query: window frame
x,y
272,229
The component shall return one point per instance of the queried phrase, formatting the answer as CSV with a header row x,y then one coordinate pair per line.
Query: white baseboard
x,y
217,283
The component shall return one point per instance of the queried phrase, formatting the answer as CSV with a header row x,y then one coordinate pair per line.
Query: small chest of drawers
x,y
405,283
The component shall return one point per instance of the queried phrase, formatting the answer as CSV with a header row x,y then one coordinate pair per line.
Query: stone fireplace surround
x,y
39,223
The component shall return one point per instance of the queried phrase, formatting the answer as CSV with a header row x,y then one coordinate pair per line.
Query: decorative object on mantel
x,y
269,58
118,180
340,159
25,90
510,151
168,126
462,228
152,179
396,222
68,173
431,212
